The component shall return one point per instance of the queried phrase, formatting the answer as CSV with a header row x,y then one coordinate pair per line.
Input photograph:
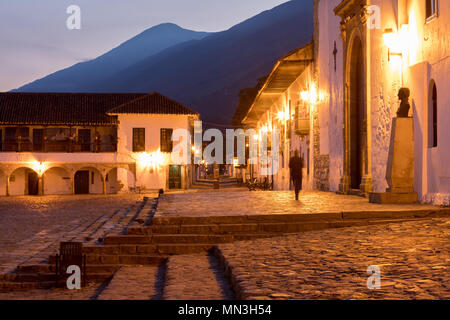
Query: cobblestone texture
x,y
332,264
133,283
195,277
242,202
85,293
31,225
327,264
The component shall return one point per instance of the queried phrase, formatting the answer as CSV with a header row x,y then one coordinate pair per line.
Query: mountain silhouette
x,y
83,76
206,72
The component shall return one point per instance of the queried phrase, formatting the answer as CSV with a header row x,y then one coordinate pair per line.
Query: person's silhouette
x,y
296,166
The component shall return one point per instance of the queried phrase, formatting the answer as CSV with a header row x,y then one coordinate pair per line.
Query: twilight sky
x,y
34,40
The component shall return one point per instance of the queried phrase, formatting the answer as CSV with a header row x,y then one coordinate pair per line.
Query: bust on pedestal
x,y
400,166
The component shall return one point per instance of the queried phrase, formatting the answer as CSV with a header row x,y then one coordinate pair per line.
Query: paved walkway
x,y
195,277
414,259
243,202
328,264
134,283
31,226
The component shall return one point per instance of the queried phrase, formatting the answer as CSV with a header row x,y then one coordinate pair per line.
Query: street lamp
x,y
396,42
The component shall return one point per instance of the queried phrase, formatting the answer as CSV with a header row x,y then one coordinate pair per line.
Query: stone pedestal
x,y
400,166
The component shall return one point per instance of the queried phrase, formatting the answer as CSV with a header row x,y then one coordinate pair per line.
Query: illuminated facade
x,y
57,143
367,51
284,105
363,52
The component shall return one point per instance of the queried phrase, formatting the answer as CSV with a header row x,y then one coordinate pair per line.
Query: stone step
x,y
51,277
227,229
148,249
185,238
121,259
49,268
25,286
160,219
168,238
195,229
121,222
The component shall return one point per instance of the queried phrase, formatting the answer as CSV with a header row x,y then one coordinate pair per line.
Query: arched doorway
x,y
88,180
23,181
56,180
356,115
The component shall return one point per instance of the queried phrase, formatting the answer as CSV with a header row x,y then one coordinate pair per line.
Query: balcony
x,y
62,146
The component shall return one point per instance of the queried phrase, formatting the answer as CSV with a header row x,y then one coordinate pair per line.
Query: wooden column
x,y
40,185
104,184
7,185
72,184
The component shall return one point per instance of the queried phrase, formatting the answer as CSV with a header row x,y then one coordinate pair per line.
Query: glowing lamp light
x,y
396,41
152,159
264,129
390,38
39,167
304,95
311,96
256,136
195,150
280,115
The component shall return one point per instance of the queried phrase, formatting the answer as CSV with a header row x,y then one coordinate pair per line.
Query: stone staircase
x,y
209,183
38,271
136,237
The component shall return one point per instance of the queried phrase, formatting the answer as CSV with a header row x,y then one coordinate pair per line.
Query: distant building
x,y
364,52
279,106
77,143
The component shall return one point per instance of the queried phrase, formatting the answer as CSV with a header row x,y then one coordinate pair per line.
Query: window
x,y
138,139
431,9
432,116
166,140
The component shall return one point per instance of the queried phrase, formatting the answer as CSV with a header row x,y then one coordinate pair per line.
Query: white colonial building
x,y
77,143
364,51
279,107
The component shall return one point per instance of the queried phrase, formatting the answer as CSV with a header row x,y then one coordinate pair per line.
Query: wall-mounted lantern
x,y
396,42
302,123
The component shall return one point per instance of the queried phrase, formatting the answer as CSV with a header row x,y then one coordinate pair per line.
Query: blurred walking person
x,y
296,168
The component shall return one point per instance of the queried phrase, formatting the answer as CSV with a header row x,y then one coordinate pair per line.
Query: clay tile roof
x,y
61,108
154,103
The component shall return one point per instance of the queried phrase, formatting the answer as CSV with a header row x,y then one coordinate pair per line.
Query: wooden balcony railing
x,y
67,146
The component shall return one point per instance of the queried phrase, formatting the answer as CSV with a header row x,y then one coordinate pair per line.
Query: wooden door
x,y
175,177
82,182
33,183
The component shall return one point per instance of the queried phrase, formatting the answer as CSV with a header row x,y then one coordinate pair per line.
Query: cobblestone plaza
x,y
413,256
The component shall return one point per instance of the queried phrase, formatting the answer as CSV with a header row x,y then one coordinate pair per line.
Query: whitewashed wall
x,y
330,85
148,177
426,58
